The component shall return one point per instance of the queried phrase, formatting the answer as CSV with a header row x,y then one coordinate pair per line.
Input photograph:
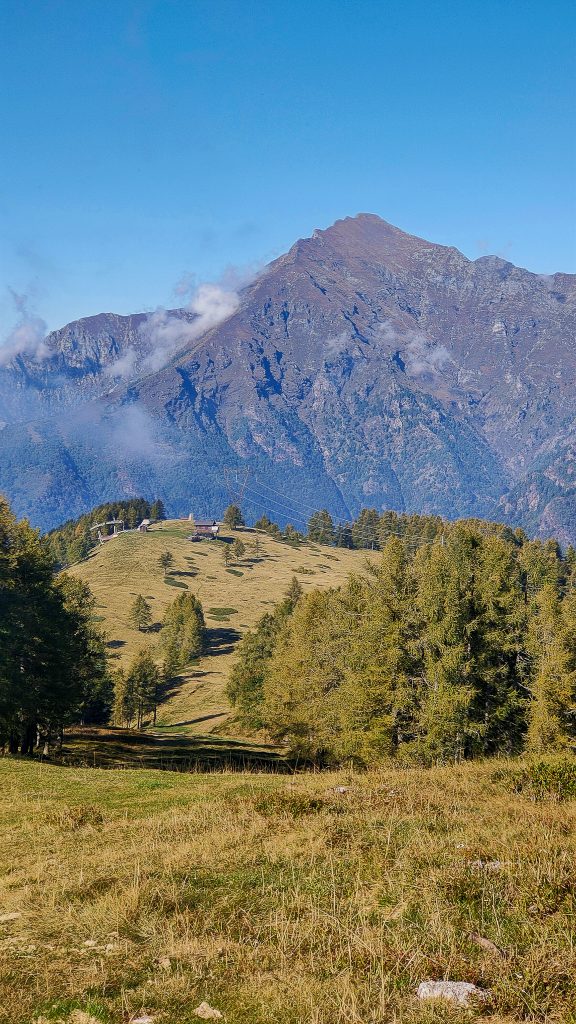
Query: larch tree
x,y
140,614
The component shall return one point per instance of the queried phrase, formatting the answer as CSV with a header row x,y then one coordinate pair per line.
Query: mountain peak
x,y
368,236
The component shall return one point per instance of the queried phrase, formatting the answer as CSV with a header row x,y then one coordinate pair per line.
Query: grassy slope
x,y
128,565
279,900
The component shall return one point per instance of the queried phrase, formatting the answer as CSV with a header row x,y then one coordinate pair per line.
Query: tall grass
x,y
311,899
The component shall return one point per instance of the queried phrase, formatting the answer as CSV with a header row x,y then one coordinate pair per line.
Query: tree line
x,y
458,641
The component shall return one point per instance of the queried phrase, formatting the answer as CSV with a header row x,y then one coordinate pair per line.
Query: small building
x,y
204,528
143,528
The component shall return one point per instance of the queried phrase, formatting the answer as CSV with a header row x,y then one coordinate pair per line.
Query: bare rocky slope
x,y
364,367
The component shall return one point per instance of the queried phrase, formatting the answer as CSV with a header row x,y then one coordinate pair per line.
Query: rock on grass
x,y
459,992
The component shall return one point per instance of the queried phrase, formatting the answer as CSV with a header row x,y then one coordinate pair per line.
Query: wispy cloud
x,y
28,334
419,353
335,345
164,333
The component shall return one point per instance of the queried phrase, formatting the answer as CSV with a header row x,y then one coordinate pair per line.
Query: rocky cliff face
x,y
364,367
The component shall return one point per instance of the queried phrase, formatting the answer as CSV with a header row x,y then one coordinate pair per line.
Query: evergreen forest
x,y
457,642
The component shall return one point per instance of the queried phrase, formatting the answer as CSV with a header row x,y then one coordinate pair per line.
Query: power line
x,y
354,530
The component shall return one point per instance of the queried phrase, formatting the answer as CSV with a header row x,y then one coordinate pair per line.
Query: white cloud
x,y
336,345
27,337
419,353
163,334
125,366
424,356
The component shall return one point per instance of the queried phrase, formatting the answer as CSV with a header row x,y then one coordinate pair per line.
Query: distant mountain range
x,y
366,367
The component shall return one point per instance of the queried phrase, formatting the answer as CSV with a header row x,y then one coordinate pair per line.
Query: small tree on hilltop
x,y
140,616
233,517
166,561
132,516
321,528
239,549
158,512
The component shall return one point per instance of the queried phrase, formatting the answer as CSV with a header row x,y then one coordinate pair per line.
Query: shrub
x,y
541,780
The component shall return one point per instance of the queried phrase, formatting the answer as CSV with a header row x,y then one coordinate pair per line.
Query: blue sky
x,y
142,141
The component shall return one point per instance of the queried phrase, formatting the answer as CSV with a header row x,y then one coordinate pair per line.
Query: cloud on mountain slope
x,y
163,334
419,353
27,336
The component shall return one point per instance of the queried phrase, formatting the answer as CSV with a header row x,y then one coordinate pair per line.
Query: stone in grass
x,y
144,1018
207,1012
459,992
4,918
491,866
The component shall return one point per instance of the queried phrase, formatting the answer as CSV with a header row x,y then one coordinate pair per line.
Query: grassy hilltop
x,y
233,598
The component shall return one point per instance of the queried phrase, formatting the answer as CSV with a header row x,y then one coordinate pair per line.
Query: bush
x,y
541,780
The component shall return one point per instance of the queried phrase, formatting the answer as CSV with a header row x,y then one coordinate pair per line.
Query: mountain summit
x,y
366,366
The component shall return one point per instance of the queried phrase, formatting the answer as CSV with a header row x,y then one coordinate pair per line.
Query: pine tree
x,y
166,561
233,517
53,666
140,615
376,699
239,549
157,511
365,531
183,632
143,685
552,716
124,707
294,592
132,517
321,528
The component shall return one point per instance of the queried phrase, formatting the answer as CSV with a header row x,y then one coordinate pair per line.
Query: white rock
x,y
91,943
492,866
341,790
144,1019
459,992
207,1012
9,917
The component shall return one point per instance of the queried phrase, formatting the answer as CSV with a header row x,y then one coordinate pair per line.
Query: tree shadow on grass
x,y
222,640
97,747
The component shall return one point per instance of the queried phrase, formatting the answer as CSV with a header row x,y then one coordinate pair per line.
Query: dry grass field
x,y
281,900
233,599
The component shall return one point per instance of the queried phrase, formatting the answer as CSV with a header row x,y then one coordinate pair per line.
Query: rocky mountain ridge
x,y
364,367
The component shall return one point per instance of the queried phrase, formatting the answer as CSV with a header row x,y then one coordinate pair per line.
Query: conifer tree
x,y
239,549
166,561
321,528
143,683
245,686
552,715
365,531
140,615
183,632
233,517
52,657
157,510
